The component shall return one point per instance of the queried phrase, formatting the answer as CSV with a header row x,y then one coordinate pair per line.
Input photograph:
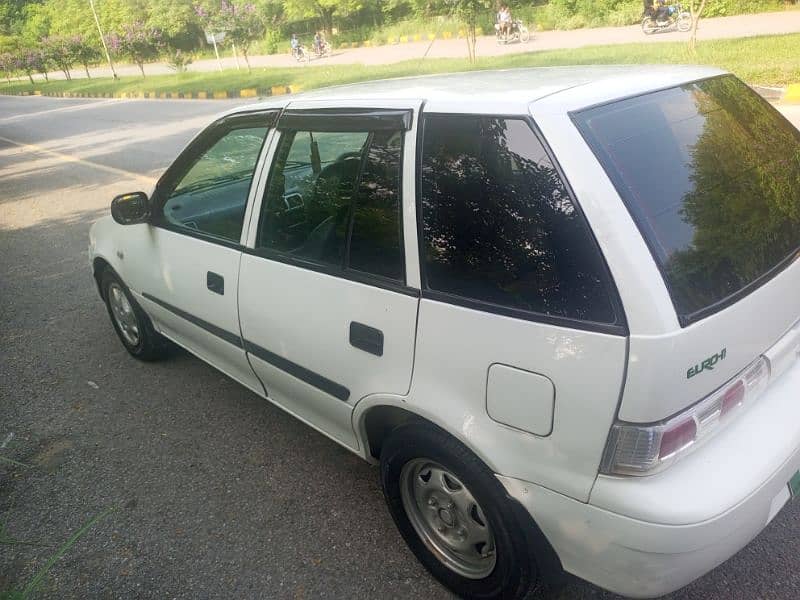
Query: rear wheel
x,y
649,25
131,323
524,35
684,22
457,518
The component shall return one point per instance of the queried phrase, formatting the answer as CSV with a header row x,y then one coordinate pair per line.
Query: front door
x,y
327,316
193,250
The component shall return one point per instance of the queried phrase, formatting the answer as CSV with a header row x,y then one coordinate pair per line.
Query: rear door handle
x,y
366,338
216,283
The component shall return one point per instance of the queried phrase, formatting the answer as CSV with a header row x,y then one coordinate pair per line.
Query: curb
x,y
256,92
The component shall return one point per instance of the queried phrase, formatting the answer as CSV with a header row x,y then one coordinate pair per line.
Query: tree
x,y
86,53
137,42
696,7
243,25
323,10
178,22
469,12
30,61
8,64
62,52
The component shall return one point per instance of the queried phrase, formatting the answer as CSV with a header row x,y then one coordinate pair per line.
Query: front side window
x,y
333,198
711,174
210,196
498,225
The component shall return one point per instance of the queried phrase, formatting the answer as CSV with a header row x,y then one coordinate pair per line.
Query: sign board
x,y
212,38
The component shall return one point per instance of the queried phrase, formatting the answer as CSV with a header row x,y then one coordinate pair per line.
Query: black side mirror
x,y
129,209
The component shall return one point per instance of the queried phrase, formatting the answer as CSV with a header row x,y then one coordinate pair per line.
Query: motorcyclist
x,y
662,10
504,20
656,9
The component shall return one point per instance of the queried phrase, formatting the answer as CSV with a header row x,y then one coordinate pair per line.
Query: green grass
x,y
767,60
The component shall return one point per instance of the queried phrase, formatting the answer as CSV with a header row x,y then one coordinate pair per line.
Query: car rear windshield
x,y
710,172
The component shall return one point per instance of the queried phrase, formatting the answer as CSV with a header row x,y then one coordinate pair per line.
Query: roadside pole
x,y
103,39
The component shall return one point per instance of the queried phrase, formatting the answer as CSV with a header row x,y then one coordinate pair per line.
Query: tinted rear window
x,y
711,174
498,225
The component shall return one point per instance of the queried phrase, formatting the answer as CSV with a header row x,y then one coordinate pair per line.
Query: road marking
x,y
74,159
72,107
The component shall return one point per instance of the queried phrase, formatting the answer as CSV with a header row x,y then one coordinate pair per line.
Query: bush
x,y
179,61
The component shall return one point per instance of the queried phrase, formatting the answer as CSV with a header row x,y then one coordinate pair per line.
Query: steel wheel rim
x,y
123,314
447,518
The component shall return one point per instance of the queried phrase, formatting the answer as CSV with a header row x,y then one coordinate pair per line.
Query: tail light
x,y
634,449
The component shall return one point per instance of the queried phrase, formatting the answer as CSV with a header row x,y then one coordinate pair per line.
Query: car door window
x,y
499,227
330,191
211,195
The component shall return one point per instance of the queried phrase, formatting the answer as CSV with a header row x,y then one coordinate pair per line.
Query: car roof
x,y
509,91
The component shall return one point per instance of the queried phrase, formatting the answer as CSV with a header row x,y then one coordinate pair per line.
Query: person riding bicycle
x,y
295,42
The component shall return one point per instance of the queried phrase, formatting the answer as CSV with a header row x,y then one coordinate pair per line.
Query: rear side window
x,y
498,225
711,175
333,199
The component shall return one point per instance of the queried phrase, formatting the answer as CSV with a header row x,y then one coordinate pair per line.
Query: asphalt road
x,y
218,493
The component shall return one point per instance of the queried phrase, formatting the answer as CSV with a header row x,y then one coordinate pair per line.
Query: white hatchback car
x,y
559,307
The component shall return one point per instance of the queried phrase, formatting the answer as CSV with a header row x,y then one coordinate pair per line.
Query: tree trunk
x,y
326,16
695,22
246,59
46,78
86,66
141,68
30,77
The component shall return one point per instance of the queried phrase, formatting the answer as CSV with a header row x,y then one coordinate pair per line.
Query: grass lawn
x,y
766,60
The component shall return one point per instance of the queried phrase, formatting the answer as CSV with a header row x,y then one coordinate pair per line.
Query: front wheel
x,y
684,22
456,517
524,35
649,26
131,323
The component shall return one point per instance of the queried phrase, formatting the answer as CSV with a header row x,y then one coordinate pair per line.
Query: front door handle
x,y
366,338
216,283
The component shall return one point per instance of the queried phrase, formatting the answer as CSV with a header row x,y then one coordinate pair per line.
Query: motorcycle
x,y
300,54
322,50
672,17
518,33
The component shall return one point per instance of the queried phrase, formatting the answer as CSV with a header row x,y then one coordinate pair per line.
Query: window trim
x,y
343,271
345,120
620,325
684,319
191,154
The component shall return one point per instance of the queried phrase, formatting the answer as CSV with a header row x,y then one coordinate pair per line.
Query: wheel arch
x,y
375,417
99,266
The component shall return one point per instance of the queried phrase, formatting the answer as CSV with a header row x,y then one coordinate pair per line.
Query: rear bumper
x,y
648,536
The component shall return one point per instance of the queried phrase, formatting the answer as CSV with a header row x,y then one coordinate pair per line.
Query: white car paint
x,y
639,536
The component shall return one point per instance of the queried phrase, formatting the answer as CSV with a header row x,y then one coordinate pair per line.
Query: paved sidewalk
x,y
716,28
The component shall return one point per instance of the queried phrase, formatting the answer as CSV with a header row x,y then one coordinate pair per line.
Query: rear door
x,y
327,313
522,342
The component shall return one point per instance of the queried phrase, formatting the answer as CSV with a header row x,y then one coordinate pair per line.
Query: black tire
x,y
150,345
526,566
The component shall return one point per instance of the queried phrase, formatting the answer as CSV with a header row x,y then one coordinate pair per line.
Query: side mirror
x,y
130,209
